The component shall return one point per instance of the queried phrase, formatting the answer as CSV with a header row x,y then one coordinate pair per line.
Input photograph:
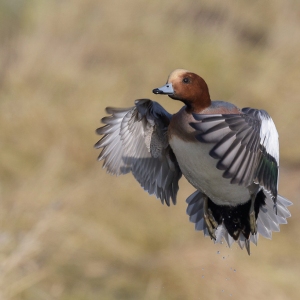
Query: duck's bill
x,y
166,89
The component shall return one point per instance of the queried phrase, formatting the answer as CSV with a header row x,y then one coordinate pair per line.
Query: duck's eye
x,y
186,80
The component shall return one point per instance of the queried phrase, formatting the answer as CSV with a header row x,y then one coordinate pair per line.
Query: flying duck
x,y
229,155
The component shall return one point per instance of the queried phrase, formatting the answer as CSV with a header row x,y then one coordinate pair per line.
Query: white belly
x,y
200,170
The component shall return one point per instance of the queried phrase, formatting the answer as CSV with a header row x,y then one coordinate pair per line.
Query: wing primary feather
x,y
220,148
225,161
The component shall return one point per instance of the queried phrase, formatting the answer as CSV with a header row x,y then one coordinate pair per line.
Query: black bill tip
x,y
157,91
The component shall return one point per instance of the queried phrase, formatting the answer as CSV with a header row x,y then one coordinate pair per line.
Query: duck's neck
x,y
198,105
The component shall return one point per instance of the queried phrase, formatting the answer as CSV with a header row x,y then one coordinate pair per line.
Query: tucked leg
x,y
252,219
209,219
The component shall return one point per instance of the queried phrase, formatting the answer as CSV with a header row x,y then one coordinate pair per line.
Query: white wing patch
x,y
269,135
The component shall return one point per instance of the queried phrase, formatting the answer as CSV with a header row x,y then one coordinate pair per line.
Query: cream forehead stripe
x,y
176,73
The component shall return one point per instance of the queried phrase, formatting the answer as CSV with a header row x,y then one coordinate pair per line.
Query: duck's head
x,y
187,87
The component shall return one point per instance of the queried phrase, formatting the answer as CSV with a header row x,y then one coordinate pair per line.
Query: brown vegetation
x,y
70,231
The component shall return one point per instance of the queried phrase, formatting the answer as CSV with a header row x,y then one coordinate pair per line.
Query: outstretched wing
x,y
135,140
246,146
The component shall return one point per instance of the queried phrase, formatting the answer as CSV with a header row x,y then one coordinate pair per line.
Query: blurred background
x,y
68,230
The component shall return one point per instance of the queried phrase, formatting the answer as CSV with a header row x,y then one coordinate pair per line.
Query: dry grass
x,y
70,231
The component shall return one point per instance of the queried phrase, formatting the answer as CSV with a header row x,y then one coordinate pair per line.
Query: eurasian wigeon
x,y
230,156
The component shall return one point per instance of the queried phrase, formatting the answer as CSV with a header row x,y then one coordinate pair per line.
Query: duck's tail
x,y
234,221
